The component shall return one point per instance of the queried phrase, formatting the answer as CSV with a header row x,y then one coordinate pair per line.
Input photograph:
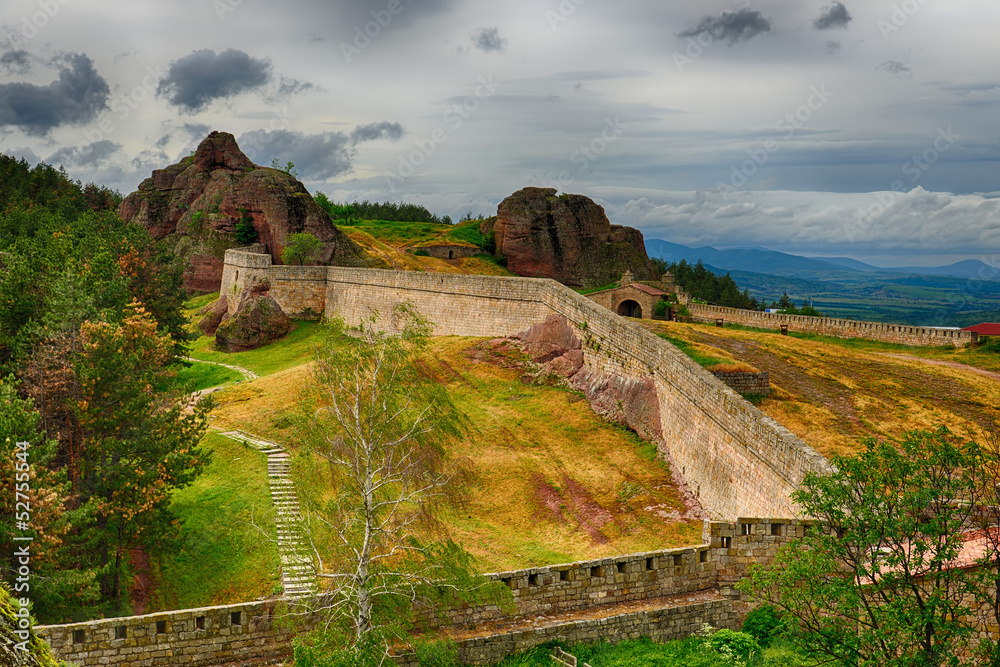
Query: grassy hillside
x,y
552,481
831,392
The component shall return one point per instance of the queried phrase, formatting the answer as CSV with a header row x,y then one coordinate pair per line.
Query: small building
x,y
448,250
985,329
630,299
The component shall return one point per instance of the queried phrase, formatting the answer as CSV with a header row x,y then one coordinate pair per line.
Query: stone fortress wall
x,y
691,586
828,326
736,459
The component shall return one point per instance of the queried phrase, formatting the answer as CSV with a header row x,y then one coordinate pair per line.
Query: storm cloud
x,y
488,39
834,16
316,157
16,61
77,96
196,80
373,131
733,27
89,155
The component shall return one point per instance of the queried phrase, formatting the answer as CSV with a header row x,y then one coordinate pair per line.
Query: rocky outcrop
x,y
198,203
258,321
566,237
554,344
214,315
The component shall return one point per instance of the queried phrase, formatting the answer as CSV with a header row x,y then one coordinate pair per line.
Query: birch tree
x,y
377,423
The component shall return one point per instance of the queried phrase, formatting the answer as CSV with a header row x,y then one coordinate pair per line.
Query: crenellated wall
x,y
734,457
827,326
682,589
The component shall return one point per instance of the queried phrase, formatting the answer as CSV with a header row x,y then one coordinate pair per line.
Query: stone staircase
x,y
297,577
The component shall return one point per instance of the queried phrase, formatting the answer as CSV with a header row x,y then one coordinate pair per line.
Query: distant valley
x,y
958,295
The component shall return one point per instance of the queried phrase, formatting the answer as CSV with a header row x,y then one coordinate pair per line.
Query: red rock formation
x,y
198,203
568,238
258,321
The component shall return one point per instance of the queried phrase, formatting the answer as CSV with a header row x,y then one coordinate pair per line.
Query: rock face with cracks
x,y
258,321
566,237
214,315
198,203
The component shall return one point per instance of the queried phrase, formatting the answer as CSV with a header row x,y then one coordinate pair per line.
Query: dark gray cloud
x,y
317,157
733,27
16,61
77,96
373,131
488,39
834,16
894,67
832,47
196,80
89,155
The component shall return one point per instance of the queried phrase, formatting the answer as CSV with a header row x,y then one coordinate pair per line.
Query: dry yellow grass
x,y
400,260
832,393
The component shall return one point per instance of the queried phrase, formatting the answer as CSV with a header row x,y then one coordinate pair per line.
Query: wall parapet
x,y
839,328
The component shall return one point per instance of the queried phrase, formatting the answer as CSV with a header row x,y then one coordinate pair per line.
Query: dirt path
x,y
949,364
245,372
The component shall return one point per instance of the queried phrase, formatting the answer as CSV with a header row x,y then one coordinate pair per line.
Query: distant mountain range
x,y
772,262
960,294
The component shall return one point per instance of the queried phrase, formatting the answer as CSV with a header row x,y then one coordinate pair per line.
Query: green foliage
x,y
468,233
289,167
764,624
708,286
737,647
786,306
442,653
302,248
246,233
419,252
661,308
377,421
872,584
366,210
44,188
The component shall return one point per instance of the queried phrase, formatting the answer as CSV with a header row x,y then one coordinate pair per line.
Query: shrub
x,y
682,311
246,234
739,645
764,624
421,253
661,308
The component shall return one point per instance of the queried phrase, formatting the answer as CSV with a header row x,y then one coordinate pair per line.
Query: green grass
x,y
401,233
699,357
466,232
293,350
204,376
645,653
220,558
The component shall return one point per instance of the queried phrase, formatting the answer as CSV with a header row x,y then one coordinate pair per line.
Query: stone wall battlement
x,y
840,328
259,631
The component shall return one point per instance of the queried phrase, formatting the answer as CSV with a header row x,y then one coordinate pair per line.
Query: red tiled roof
x,y
650,290
985,329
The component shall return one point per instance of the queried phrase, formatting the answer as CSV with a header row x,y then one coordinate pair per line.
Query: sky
x,y
863,128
